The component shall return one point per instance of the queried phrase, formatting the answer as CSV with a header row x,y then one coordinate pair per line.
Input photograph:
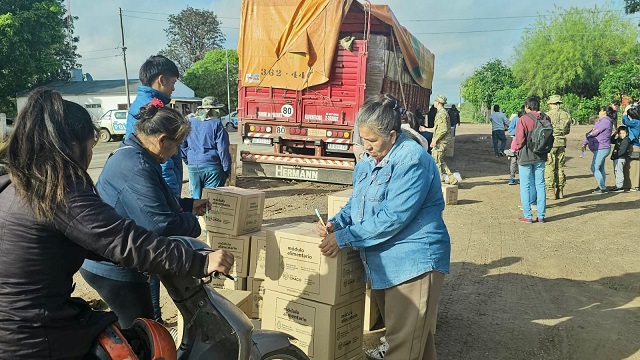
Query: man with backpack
x,y
533,141
554,172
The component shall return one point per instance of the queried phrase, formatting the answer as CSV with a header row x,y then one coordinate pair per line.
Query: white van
x,y
113,125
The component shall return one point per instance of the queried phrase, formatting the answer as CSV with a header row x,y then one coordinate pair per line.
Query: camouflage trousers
x,y
437,153
554,170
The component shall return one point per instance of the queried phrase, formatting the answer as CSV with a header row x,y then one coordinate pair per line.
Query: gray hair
x,y
381,114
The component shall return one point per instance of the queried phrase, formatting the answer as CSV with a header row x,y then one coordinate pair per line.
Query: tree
x,y
571,50
479,88
511,99
36,46
621,80
631,6
208,77
191,34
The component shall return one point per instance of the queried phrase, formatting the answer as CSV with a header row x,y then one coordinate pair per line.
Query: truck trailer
x,y
306,68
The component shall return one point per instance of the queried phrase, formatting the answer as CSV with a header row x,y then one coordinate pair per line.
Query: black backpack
x,y
540,139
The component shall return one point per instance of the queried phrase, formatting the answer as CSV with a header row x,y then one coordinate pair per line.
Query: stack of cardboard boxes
x,y
316,299
232,222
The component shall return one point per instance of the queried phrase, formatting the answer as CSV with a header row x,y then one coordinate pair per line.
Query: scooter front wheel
x,y
291,352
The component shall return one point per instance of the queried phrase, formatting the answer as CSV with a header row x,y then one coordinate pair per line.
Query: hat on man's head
x,y
554,99
441,99
210,102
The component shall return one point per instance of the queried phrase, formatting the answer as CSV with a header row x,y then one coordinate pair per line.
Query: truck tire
x,y
105,136
291,352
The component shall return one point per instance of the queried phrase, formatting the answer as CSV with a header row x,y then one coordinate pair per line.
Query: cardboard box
x,y
296,266
371,311
225,283
234,211
237,245
256,286
450,193
450,147
323,332
240,298
258,255
336,201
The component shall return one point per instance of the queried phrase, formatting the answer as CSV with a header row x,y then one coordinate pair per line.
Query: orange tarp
x,y
291,43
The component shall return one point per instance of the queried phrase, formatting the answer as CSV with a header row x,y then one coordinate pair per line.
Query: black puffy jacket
x,y
38,317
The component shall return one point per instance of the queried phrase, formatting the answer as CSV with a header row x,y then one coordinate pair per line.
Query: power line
x,y
103,57
156,13
164,21
90,51
506,17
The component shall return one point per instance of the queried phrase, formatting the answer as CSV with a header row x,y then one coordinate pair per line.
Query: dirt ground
x,y
566,289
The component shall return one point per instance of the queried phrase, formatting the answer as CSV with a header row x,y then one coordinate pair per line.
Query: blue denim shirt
x,y
394,216
206,144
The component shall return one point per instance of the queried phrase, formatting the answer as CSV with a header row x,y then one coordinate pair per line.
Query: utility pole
x,y
124,56
226,52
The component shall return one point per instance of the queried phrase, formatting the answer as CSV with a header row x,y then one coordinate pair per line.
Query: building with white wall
x,y
100,96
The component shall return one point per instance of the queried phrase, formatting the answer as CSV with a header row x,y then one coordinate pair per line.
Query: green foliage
x,y
36,46
621,80
191,34
631,6
511,99
587,108
208,77
572,50
479,88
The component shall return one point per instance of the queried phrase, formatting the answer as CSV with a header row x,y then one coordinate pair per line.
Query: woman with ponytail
x,y
51,220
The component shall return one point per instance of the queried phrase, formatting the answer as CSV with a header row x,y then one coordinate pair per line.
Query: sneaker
x,y
509,153
617,190
541,220
634,189
525,220
378,353
512,181
599,192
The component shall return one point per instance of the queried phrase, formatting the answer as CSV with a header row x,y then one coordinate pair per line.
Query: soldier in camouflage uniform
x,y
441,138
554,170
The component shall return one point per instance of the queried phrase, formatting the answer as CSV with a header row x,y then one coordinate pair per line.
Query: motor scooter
x,y
214,328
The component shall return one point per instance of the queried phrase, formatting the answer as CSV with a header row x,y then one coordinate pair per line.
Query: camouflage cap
x,y
554,99
210,102
441,99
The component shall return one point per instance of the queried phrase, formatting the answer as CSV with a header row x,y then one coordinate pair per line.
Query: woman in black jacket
x,y
51,219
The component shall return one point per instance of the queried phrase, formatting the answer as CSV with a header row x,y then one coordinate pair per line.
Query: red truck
x,y
306,68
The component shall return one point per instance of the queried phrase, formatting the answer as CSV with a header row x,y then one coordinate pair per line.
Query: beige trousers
x,y
409,312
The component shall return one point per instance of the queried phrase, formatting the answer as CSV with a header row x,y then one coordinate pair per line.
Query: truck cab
x,y
112,125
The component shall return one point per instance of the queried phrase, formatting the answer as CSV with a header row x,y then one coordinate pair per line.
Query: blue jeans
x,y
597,167
154,285
532,187
205,176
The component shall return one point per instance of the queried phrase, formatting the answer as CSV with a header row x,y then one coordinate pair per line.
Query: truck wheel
x,y
105,136
291,352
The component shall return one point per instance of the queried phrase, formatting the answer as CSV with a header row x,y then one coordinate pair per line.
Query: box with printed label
x,y
336,201
296,266
323,332
237,245
234,211
258,254
450,193
256,286
371,311
224,283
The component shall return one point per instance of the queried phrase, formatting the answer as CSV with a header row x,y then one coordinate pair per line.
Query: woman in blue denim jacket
x,y
394,218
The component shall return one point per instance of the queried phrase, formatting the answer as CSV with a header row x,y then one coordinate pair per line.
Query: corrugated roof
x,y
95,87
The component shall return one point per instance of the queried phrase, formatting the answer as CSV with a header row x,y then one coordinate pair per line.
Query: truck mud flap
x,y
294,172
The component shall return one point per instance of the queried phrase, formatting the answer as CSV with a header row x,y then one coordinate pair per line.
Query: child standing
x,y
621,149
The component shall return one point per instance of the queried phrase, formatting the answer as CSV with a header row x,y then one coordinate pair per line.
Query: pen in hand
x,y
320,218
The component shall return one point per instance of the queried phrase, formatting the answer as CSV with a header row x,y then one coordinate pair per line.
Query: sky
x,y
463,34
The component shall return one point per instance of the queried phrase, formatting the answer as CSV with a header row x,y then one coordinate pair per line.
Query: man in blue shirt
x,y
206,149
158,76
499,124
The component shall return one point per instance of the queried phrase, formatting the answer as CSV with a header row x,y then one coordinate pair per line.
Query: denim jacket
x,y
394,216
131,182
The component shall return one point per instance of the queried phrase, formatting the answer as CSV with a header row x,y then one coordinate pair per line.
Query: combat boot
x,y
551,194
559,193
